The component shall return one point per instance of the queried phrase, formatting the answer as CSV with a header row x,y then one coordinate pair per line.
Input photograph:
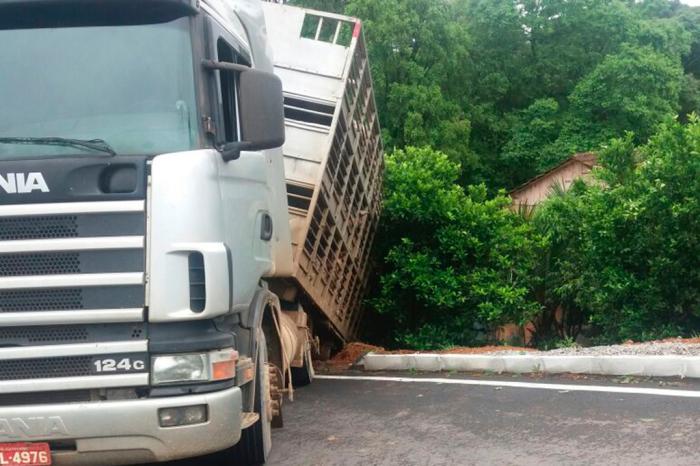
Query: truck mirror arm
x,y
232,150
224,66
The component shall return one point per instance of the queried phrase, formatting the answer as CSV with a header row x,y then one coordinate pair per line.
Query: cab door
x,y
243,182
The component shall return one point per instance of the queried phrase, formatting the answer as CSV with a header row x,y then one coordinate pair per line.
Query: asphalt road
x,y
360,422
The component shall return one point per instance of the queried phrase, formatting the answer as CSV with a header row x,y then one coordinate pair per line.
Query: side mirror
x,y
261,110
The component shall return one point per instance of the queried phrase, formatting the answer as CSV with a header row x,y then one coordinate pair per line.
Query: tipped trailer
x,y
333,164
188,195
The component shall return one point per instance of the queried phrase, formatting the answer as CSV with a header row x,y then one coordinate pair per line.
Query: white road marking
x,y
540,386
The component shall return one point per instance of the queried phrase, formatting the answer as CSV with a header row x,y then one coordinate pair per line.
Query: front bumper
x,y
125,432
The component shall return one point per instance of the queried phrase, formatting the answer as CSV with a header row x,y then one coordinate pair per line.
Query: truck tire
x,y
256,441
304,375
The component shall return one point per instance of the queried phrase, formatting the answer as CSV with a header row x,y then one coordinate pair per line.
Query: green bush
x,y
623,251
455,263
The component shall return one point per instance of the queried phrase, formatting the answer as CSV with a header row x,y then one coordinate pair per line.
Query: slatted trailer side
x,y
333,157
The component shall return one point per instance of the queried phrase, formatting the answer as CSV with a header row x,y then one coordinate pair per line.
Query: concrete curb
x,y
649,366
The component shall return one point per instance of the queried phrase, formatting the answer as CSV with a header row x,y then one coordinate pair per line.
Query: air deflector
x,y
24,14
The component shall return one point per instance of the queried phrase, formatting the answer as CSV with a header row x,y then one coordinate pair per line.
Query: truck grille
x,y
48,263
58,334
69,299
21,369
18,399
86,262
40,300
50,226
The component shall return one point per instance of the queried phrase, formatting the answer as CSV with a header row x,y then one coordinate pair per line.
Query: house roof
x,y
586,158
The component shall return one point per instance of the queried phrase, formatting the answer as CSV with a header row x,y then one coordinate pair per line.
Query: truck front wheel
x,y
256,441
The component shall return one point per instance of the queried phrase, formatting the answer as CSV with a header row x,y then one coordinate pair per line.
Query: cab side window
x,y
228,89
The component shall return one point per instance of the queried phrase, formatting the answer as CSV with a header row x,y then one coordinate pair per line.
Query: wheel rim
x,y
274,375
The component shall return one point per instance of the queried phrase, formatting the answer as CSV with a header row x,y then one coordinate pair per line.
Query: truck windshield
x,y
131,87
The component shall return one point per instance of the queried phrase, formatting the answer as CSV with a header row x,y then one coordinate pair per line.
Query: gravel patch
x,y
653,348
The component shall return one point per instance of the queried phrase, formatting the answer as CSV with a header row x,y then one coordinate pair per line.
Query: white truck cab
x,y
154,302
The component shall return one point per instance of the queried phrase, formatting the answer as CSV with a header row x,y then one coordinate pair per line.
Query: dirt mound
x,y
351,353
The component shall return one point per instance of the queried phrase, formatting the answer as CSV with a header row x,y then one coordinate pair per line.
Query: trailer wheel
x,y
256,441
304,375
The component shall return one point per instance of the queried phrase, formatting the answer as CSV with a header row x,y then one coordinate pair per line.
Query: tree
x,y
667,36
567,39
690,19
633,90
333,6
412,42
453,261
415,50
628,257
690,97
419,115
533,133
510,88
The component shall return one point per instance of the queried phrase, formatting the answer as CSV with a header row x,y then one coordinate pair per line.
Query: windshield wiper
x,y
99,145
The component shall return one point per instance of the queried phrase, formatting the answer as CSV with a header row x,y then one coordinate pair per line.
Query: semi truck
x,y
189,190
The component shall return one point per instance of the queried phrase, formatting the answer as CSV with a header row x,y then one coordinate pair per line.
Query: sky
x,y
691,2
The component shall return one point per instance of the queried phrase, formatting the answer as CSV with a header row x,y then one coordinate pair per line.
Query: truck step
x,y
248,419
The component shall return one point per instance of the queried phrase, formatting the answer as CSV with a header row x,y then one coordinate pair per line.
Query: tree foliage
x,y
452,257
622,252
634,89
508,88
333,6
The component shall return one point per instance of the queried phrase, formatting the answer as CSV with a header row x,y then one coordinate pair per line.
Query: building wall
x,y
535,192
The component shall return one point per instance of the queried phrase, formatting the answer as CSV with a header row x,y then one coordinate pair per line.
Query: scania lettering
x,y
22,183
189,190
32,427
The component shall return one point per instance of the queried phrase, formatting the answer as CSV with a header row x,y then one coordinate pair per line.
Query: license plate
x,y
25,454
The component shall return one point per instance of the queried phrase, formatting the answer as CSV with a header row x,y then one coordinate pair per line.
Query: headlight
x,y
180,368
196,367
